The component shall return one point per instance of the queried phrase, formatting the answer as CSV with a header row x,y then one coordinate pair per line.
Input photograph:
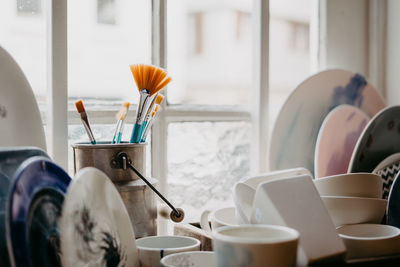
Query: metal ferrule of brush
x,y
144,104
89,132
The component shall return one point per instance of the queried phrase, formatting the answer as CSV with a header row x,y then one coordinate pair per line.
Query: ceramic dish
x,y
255,245
220,217
393,208
243,197
10,159
296,128
191,258
34,206
95,226
152,249
294,202
354,210
336,140
350,185
388,169
380,139
254,181
18,108
370,240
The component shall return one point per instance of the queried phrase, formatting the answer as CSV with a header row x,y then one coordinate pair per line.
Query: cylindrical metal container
x,y
101,155
138,198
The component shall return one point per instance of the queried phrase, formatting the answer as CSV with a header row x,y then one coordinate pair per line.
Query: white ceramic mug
x,y
152,249
220,217
255,246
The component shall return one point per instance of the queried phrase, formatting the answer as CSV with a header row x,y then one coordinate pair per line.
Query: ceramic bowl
x,y
191,258
354,210
370,240
220,217
152,249
350,185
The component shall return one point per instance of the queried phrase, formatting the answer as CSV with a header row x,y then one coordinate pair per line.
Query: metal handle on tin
x,y
121,159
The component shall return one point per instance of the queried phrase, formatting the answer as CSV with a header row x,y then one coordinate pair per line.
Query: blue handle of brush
x,y
142,130
119,137
135,137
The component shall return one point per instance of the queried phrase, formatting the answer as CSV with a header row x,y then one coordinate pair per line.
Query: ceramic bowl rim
x,y
164,259
370,199
196,244
332,177
213,217
216,234
377,238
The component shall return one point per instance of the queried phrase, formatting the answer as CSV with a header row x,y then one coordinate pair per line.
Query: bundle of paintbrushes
x,y
149,81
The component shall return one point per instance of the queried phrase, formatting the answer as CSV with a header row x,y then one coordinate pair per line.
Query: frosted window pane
x,y
205,159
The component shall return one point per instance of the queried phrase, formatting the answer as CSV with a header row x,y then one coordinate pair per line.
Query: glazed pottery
x,y
34,206
20,121
380,139
296,128
388,169
220,217
152,249
254,181
295,202
350,185
355,210
10,159
95,226
243,196
370,240
336,139
393,208
191,258
255,246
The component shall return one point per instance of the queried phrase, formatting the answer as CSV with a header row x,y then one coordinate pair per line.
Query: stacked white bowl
x,y
355,203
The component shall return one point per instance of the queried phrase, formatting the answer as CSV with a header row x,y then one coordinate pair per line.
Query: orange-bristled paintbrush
x,y
149,81
84,118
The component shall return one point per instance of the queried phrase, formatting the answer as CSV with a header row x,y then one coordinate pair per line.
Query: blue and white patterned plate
x,y
10,159
34,207
296,128
388,170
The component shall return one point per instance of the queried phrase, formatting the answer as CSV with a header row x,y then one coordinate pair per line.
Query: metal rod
x,y
178,214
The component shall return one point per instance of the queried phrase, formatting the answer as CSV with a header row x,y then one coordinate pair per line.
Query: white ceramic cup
x,y
191,258
255,246
219,218
152,249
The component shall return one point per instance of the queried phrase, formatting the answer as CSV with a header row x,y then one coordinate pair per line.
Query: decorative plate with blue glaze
x,y
296,129
336,140
10,159
95,226
379,140
34,207
393,210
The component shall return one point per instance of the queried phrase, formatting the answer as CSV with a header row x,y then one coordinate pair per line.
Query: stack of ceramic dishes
x,y
355,203
352,198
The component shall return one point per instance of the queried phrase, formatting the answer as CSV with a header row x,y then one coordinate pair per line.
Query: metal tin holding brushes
x,y
138,197
101,155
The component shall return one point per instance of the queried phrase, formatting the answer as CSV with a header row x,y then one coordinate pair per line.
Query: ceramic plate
x,y
380,139
393,210
336,140
34,206
296,128
95,226
18,108
10,160
388,170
